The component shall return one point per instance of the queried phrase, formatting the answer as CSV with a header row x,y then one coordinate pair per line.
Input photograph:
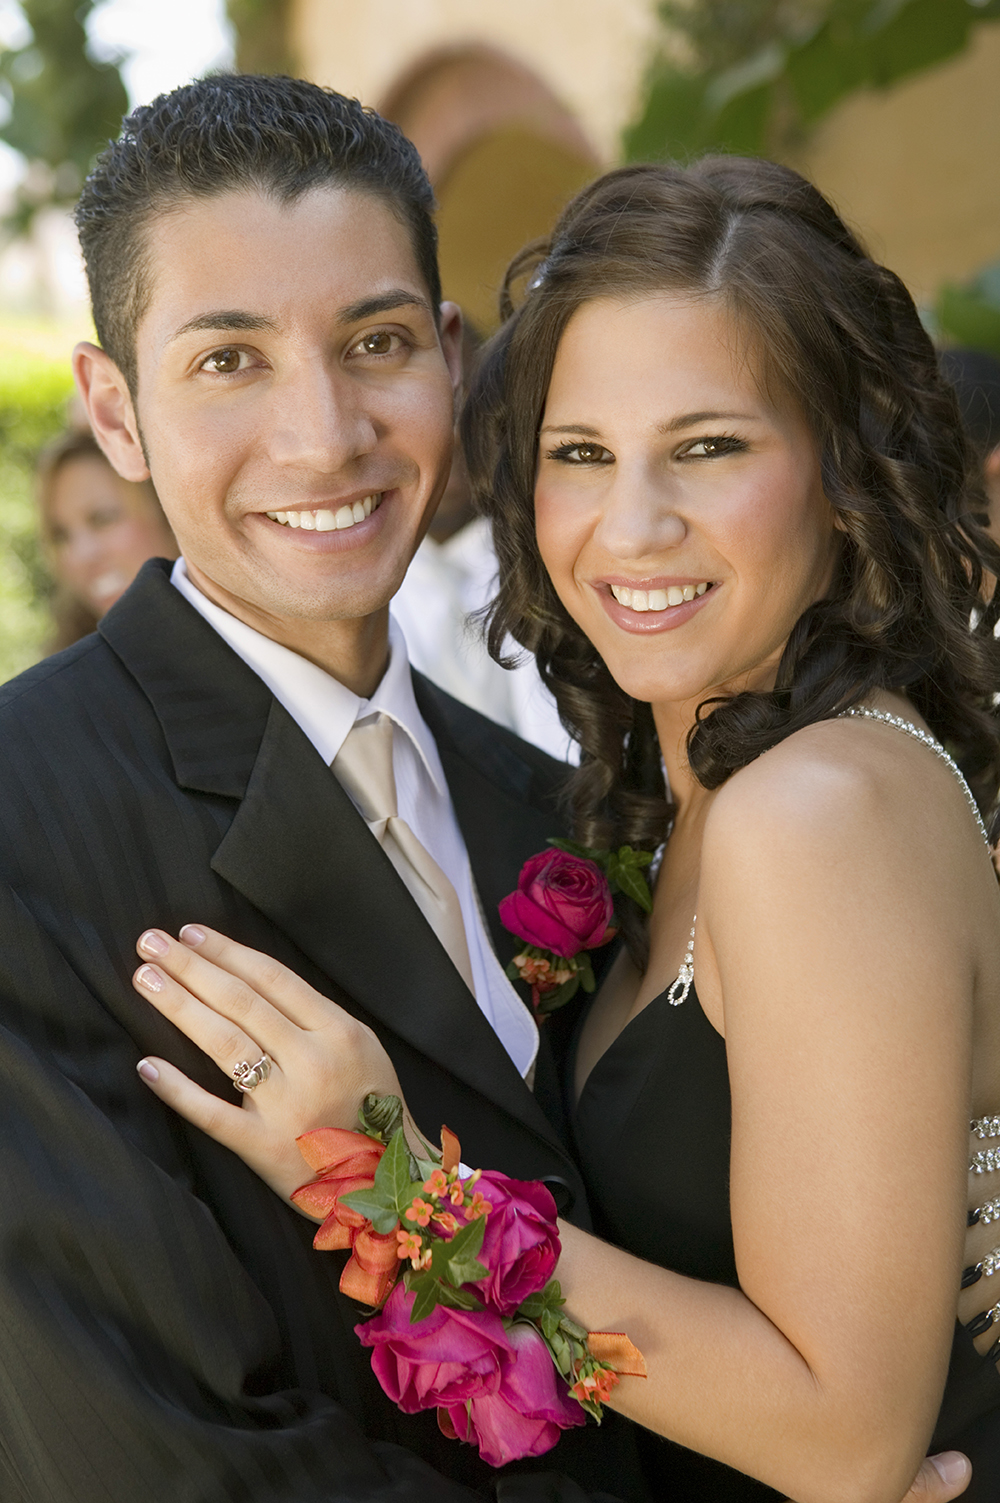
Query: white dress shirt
x,y
445,585
325,711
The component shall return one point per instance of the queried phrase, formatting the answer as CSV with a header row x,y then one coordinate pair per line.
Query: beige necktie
x,y
363,767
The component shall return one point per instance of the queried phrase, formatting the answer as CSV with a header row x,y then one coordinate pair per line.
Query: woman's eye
x,y
223,362
582,454
712,448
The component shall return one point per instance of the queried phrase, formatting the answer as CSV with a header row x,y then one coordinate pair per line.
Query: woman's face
x,y
102,529
679,510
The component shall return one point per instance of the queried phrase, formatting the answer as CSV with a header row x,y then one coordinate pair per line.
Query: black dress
x,y
664,1081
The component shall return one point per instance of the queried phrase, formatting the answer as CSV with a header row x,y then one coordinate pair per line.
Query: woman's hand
x,y
238,1005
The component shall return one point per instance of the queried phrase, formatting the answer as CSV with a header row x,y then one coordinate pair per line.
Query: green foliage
x,y
970,314
64,104
755,76
33,396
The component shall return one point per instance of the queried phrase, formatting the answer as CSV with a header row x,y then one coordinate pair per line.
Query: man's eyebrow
x,y
382,302
225,320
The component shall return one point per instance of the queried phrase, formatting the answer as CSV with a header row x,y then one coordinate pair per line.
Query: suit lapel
x,y
300,852
297,848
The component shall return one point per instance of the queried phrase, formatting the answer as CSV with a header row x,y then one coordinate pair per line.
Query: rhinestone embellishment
x,y
986,1161
987,1212
678,992
985,1127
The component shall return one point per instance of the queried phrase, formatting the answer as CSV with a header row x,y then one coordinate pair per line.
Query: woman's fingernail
x,y
149,978
951,1467
148,1071
152,943
192,935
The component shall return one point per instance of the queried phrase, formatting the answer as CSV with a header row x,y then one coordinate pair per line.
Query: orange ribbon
x,y
346,1161
617,1352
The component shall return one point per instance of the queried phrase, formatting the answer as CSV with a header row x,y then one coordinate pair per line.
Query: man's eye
x,y
380,342
223,362
582,454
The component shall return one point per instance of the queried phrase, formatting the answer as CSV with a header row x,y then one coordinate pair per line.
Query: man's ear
x,y
451,343
105,394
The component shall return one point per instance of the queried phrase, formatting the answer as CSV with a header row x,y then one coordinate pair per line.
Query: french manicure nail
x,y
153,944
150,979
192,935
951,1466
148,1071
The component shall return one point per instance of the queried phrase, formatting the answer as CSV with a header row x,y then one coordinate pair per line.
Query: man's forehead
x,y
247,260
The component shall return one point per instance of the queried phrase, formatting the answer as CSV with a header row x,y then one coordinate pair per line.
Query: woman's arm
x,y
847,1017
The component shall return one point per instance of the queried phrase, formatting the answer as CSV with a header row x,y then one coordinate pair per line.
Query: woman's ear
x,y
105,394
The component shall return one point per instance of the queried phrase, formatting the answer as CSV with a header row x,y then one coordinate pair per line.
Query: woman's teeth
x,y
656,600
328,521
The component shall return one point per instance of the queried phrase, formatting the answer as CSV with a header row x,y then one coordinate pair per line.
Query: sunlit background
x,y
891,106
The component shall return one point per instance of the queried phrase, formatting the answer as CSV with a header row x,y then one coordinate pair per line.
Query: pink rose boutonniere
x,y
475,1327
564,906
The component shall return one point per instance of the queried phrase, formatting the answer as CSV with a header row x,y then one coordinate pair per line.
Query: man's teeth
x,y
656,600
328,521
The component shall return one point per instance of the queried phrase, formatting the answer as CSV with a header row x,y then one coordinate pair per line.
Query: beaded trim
x,y
986,1161
984,1269
678,992
987,1212
985,1127
865,713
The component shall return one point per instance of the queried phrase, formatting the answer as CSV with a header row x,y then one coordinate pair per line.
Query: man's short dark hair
x,y
280,136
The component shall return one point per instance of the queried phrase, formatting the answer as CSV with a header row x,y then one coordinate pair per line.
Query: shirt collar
x,y
323,708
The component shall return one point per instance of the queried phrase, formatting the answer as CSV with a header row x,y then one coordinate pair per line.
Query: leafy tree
x,y
64,104
752,76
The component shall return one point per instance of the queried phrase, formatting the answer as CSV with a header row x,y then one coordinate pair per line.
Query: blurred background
x,y
891,106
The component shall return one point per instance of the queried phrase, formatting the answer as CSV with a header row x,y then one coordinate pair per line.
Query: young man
x,y
273,354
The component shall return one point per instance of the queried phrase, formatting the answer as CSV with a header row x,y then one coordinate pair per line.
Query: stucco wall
x,y
591,53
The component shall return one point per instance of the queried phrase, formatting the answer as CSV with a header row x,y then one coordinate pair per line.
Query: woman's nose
x,y
640,516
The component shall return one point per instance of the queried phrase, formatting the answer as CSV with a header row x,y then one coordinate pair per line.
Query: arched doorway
x,y
504,156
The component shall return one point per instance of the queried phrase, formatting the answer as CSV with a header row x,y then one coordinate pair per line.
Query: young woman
x,y
732,509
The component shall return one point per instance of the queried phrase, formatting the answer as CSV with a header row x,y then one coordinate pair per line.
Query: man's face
x,y
294,401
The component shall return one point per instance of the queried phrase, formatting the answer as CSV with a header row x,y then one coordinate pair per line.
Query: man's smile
x,y
322,519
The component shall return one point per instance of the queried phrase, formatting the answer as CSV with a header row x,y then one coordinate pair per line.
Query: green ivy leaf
x,y
424,1287
634,884
380,1212
393,1177
455,1260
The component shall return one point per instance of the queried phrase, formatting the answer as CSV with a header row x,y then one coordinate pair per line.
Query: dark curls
x,y
279,136
909,607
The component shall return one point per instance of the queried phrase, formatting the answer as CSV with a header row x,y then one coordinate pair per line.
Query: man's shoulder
x,y
75,672
515,766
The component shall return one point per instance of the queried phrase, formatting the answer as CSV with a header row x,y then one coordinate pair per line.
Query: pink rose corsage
x,y
475,1327
564,906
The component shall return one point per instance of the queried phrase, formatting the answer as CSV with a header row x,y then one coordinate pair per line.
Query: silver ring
x,y
249,1077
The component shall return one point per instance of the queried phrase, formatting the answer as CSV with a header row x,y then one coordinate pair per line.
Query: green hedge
x,y
33,396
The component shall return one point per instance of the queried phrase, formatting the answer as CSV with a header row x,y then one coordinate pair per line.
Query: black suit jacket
x,y
166,1330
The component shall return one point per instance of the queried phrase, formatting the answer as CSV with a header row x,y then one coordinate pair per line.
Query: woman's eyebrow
x,y
570,428
692,419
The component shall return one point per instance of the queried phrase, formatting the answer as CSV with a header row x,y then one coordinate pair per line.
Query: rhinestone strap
x,y
678,992
985,1127
864,712
987,1212
984,1269
986,1161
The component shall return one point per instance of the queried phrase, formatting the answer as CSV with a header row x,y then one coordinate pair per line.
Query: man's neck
x,y
354,651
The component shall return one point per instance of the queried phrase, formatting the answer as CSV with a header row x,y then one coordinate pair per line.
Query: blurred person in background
x,y
97,532
975,375
452,577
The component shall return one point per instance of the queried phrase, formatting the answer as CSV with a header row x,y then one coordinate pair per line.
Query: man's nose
x,y
320,420
640,515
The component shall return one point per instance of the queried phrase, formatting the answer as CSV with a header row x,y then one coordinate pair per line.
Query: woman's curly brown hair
x,y
913,606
